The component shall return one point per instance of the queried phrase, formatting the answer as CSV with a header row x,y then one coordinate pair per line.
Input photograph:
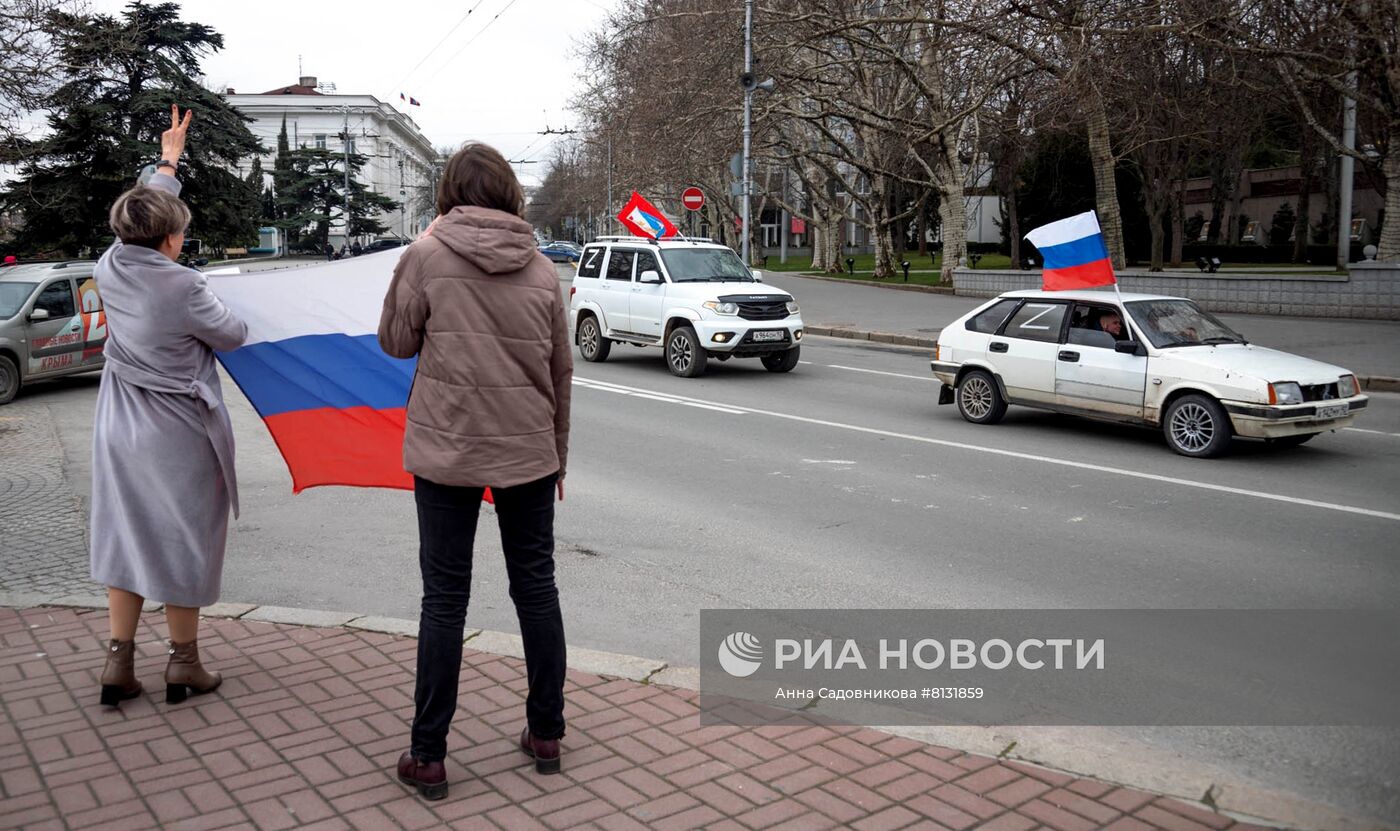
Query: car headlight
x,y
721,308
1347,386
792,307
1286,392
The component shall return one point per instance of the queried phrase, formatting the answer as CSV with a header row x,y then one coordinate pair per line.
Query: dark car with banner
x,y
51,323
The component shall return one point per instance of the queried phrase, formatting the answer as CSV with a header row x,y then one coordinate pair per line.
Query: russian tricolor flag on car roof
x,y
1074,253
312,368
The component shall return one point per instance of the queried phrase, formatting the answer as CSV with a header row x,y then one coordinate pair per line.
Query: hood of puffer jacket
x,y
494,241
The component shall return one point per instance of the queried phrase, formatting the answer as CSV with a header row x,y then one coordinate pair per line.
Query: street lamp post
x,y
748,121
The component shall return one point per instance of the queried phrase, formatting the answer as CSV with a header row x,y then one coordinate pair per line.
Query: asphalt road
x,y
843,484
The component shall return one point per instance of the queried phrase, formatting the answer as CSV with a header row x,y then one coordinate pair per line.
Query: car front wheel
x,y
591,343
979,400
9,380
782,361
1197,426
685,357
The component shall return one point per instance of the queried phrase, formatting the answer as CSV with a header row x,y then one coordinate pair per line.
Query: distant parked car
x,y
384,244
561,252
1166,363
51,323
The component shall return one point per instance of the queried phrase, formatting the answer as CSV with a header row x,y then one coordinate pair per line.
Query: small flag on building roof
x,y
1074,253
413,101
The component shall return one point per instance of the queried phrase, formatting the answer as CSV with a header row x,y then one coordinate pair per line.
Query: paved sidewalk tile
x,y
310,721
43,529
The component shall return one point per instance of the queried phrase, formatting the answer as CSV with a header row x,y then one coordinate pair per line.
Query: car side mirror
x,y
1130,347
651,276
758,276
38,315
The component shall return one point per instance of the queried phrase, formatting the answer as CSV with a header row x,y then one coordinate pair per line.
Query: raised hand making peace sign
x,y
172,141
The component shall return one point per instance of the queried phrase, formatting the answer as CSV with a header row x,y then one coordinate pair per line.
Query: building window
x,y
320,139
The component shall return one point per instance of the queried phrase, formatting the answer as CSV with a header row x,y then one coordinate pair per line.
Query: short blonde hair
x,y
146,216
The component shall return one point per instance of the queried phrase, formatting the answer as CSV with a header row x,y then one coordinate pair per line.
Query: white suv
x,y
693,297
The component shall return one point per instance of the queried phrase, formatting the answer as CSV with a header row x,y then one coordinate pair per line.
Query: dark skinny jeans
x,y
447,518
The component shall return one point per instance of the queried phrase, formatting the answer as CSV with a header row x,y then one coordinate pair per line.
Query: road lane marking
x,y
714,407
882,372
1032,457
1372,432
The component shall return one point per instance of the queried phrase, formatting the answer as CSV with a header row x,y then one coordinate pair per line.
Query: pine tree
x,y
119,75
312,196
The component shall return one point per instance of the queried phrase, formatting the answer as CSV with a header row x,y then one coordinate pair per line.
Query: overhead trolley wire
x,y
439,44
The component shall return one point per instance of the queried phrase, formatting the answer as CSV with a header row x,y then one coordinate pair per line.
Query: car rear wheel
x,y
9,380
685,357
591,344
782,361
979,400
1197,426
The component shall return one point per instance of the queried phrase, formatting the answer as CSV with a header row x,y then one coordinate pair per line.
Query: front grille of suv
x,y
763,310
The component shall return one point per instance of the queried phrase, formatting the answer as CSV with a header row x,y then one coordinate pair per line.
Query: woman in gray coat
x,y
162,454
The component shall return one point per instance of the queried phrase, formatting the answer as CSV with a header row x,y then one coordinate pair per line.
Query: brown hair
x,y
479,175
146,216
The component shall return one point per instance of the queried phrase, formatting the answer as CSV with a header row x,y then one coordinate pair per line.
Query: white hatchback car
x,y
1167,364
694,298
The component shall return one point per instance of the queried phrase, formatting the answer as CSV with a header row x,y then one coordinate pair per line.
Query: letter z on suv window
x,y
592,265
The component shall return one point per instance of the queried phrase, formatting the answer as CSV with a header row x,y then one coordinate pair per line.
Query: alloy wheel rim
x,y
589,338
680,353
976,397
1193,427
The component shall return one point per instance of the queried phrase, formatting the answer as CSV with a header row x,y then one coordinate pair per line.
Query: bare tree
x,y
27,60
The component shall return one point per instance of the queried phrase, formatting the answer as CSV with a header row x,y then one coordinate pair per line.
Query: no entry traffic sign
x,y
693,199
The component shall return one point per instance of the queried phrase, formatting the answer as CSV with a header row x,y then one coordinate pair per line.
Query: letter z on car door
x,y
1024,353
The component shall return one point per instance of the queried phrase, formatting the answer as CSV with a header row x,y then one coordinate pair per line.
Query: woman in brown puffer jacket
x,y
481,309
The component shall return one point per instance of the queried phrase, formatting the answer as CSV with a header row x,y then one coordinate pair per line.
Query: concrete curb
x,y
1379,383
849,281
1116,761
873,337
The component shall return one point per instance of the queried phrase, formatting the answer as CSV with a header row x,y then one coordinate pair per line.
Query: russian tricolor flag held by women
x,y
1074,253
313,369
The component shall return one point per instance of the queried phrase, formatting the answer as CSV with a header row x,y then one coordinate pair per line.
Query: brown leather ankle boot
x,y
119,676
185,675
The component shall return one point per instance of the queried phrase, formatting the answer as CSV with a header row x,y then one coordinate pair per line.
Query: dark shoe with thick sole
x,y
119,675
429,778
545,752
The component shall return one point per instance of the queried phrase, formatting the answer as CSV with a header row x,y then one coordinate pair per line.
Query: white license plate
x,y
775,334
1334,411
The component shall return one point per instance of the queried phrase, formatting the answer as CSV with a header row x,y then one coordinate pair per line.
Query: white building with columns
x,y
398,155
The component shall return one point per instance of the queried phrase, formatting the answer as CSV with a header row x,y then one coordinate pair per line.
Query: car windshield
x,y
12,297
705,265
1170,323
